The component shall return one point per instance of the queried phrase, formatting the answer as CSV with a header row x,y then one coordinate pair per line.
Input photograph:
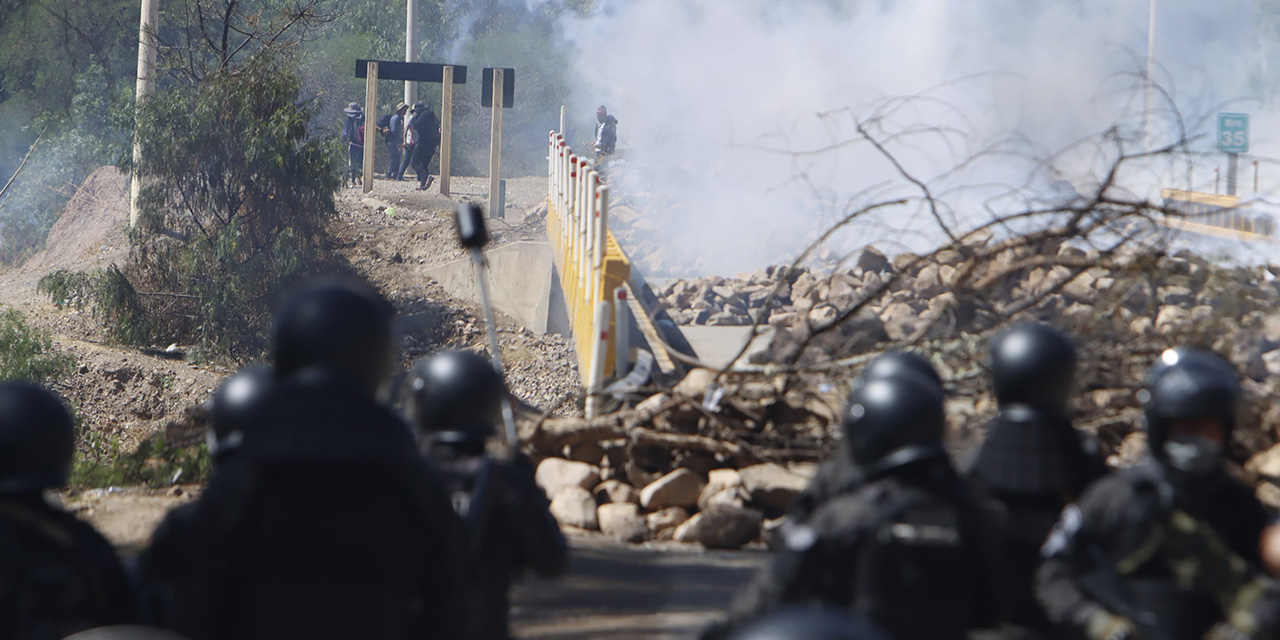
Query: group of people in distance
x,y
1035,537
327,515
411,136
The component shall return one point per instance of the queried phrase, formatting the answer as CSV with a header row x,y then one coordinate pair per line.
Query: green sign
x,y
1233,132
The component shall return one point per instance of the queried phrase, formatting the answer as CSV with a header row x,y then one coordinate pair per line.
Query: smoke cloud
x,y
738,115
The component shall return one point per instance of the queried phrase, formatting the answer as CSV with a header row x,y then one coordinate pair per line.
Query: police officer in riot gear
x,y
808,623
1168,549
455,403
1032,462
58,575
838,473
326,523
904,547
231,406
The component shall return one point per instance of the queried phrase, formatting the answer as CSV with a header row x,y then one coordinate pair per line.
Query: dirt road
x,y
625,592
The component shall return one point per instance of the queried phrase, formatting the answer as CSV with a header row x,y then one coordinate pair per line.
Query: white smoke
x,y
734,111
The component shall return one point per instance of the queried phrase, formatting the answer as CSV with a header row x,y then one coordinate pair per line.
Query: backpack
x,y
384,123
355,132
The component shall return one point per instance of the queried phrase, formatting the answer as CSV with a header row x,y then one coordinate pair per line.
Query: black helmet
x,y
1033,364
340,325
1188,383
126,632
37,438
233,403
896,362
889,422
456,391
808,624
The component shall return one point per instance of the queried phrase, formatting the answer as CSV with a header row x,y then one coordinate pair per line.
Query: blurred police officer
x,y
325,523
808,623
161,570
1033,462
839,474
903,548
1168,549
455,403
57,574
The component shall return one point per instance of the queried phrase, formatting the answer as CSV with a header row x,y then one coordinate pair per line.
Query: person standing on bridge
x,y
426,138
606,133
455,403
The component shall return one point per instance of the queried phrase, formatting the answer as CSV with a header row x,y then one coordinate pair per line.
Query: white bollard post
x,y
621,337
599,345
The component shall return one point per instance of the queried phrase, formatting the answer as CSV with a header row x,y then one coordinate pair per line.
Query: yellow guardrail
x,y
590,261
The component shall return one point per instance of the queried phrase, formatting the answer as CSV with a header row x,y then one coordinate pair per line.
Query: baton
x,y
473,236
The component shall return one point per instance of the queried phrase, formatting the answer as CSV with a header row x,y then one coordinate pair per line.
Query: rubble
x,y
716,458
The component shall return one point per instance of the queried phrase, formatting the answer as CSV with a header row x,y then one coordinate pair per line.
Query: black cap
x,y
892,421
340,325
1188,383
808,624
456,391
1033,364
37,438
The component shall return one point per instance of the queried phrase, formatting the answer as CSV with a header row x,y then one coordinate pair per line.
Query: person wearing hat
x,y
354,134
394,135
426,136
410,140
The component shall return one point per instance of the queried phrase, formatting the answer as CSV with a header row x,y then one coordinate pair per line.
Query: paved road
x,y
631,593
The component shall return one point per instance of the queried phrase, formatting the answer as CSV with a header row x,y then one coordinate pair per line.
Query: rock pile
x,y
716,459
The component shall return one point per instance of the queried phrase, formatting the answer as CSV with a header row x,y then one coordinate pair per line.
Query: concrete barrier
x,y
521,280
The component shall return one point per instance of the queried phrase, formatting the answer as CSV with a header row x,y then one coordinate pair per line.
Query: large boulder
x,y
666,520
616,492
622,522
680,488
719,480
772,486
721,527
554,474
575,507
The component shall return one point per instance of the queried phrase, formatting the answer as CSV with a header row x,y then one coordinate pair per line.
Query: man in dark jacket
x,y
58,576
1033,462
606,132
325,523
905,549
455,404
395,141
427,138
1168,549
353,133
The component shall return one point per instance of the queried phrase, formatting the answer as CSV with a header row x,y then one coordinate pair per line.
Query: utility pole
x,y
146,86
411,48
1148,100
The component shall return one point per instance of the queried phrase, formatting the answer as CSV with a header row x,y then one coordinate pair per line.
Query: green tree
x,y
235,207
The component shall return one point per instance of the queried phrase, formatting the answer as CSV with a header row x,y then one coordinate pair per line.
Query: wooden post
x,y
370,116
495,147
146,85
446,128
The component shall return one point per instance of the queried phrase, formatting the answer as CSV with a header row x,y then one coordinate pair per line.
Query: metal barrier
x,y
590,261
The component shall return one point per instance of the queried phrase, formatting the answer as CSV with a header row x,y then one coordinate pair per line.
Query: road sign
x,y
508,87
416,71
1233,132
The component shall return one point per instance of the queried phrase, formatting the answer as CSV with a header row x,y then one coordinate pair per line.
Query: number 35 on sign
x,y
1233,132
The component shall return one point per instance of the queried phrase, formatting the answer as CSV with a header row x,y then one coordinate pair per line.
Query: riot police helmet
x,y
340,325
1033,364
456,391
798,623
896,362
1189,385
233,404
890,422
37,438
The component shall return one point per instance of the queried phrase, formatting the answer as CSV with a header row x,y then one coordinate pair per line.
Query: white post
x,y
599,348
562,119
145,87
621,337
410,48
